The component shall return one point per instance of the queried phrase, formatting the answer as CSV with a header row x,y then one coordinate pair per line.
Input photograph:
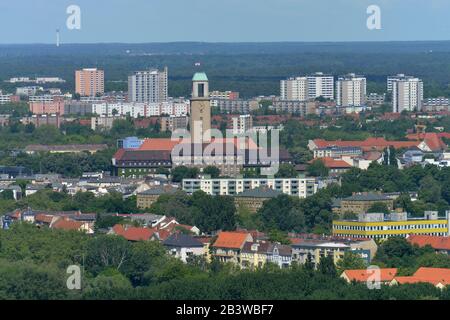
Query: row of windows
x,y
396,227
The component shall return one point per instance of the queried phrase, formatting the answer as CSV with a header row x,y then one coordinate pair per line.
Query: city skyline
x,y
231,21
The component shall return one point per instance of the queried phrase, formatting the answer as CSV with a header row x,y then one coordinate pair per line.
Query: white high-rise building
x,y
150,86
397,77
407,94
320,85
351,91
294,89
242,123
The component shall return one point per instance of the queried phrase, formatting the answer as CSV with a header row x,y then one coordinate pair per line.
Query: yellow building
x,y
381,226
254,255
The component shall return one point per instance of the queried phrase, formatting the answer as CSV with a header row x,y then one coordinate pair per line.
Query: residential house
x,y
364,275
183,246
279,254
439,277
439,244
228,246
254,255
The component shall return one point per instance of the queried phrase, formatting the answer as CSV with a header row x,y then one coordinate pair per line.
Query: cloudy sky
x,y
35,21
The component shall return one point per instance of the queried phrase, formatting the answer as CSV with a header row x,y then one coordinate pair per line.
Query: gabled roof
x,y
434,276
134,233
332,163
159,144
260,247
436,242
167,189
65,224
183,241
231,240
361,275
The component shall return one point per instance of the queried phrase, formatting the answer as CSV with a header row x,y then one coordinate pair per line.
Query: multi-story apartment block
x,y
137,109
376,99
56,106
407,94
392,79
235,106
436,104
149,86
104,123
173,123
396,224
337,152
28,91
351,90
8,98
294,89
242,123
89,82
298,187
224,95
320,85
43,119
300,108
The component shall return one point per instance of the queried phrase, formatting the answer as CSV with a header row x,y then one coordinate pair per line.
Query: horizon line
x,y
222,42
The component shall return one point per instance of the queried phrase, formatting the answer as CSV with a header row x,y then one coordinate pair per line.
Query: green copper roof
x,y
200,76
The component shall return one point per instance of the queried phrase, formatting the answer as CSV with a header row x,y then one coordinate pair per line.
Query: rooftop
x,y
200,76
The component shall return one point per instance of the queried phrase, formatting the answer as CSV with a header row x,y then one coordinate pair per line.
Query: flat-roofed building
x,y
396,224
298,187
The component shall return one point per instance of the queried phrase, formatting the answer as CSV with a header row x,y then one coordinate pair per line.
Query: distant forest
x,y
251,68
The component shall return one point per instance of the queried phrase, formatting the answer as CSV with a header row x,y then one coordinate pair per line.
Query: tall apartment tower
x,y
89,82
320,85
397,77
294,89
407,94
200,122
351,90
148,86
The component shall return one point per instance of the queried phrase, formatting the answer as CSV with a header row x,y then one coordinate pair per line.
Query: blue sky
x,y
134,21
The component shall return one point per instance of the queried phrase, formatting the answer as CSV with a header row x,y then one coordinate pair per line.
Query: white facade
x,y
136,110
242,124
407,94
299,187
149,86
294,89
320,85
351,91
5,98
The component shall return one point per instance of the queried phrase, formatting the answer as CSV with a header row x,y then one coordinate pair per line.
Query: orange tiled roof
x,y
361,275
433,140
64,224
166,144
436,242
333,163
161,144
232,240
43,218
138,234
427,275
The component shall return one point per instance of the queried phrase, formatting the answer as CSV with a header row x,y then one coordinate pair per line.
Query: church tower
x,y
200,122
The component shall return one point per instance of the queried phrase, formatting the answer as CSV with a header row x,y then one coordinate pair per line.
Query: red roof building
x,y
362,275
